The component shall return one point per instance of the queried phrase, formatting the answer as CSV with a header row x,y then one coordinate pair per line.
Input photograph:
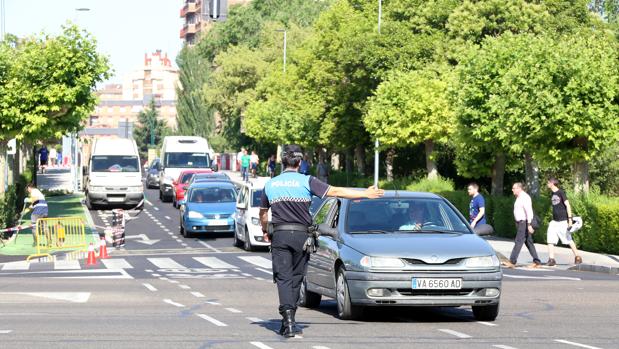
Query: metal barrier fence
x,y
54,234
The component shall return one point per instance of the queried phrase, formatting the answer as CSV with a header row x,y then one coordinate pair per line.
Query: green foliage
x,y
195,116
8,207
605,171
46,84
148,120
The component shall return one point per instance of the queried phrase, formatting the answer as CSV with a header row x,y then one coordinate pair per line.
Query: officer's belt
x,y
290,227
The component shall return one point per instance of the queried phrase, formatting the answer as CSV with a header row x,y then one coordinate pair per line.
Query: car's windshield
x,y
408,215
316,202
255,202
212,195
186,177
187,160
115,163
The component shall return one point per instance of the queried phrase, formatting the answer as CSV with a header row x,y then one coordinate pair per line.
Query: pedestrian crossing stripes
x,y
20,265
118,263
214,262
165,263
67,265
258,260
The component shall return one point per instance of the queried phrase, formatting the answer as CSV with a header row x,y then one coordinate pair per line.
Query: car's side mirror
x,y
326,230
185,187
215,168
483,230
181,202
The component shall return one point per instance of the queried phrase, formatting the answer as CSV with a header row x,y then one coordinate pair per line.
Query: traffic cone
x,y
92,259
103,249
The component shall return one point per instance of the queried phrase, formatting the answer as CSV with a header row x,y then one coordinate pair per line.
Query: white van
x,y
114,174
179,153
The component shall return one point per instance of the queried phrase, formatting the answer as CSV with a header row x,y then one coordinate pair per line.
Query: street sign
x,y
11,147
215,10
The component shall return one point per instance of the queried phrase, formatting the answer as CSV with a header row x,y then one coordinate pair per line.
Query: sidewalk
x,y
55,179
595,262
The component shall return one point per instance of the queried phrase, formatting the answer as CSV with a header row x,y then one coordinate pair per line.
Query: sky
x,y
124,29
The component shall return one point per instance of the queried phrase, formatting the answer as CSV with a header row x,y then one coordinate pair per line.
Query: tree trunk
x,y
3,166
430,163
532,175
498,175
581,177
349,160
389,159
360,158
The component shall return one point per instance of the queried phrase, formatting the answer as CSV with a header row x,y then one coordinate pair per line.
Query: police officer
x,y
289,196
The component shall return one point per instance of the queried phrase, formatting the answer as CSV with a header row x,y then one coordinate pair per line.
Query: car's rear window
x,y
394,215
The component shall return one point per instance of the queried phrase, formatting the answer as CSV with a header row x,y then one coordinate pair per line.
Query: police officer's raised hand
x,y
374,192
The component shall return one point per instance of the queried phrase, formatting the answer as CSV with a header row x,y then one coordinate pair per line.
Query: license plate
x,y
436,284
115,199
218,222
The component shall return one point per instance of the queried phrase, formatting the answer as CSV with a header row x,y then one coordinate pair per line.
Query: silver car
x,y
405,249
152,174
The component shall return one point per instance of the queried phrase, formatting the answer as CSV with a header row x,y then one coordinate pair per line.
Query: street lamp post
x,y
376,143
285,45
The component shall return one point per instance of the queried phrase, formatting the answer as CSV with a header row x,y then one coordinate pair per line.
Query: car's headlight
x,y
194,214
96,189
482,262
381,262
255,221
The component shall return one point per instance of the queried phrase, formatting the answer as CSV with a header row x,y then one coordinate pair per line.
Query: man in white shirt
x,y
523,215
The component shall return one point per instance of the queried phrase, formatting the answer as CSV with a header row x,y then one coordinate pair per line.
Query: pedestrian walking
x,y
53,154
560,227
304,167
245,162
43,158
59,157
239,157
322,171
254,160
289,197
477,206
271,166
39,208
523,215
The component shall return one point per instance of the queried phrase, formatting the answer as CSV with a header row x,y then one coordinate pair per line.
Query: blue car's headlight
x,y
195,215
482,262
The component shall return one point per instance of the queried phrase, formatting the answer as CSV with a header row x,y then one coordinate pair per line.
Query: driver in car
x,y
416,217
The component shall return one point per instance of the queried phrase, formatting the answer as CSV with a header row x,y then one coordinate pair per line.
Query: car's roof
x,y
211,183
404,194
197,171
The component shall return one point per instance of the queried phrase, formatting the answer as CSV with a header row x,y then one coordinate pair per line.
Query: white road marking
x,y
173,281
156,275
212,303
545,277
67,265
122,272
503,346
117,263
265,271
165,263
454,333
72,297
150,287
184,287
148,202
214,262
259,278
169,301
576,344
260,345
258,260
183,244
233,310
5,331
212,320
486,323
171,233
163,279
246,274
156,208
168,218
320,347
208,246
255,319
19,265
197,294
148,270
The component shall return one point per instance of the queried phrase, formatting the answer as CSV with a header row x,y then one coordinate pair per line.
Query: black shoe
x,y
297,329
288,324
551,262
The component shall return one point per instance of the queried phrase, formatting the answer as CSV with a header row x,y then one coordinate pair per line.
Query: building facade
x,y
120,104
193,21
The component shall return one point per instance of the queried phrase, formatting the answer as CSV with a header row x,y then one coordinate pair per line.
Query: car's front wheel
x,y
247,246
345,309
237,241
185,233
308,299
486,312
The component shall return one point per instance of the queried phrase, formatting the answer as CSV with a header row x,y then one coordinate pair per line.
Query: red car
x,y
179,186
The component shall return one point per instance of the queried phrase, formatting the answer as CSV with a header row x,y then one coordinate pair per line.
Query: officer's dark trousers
x,y
289,265
523,237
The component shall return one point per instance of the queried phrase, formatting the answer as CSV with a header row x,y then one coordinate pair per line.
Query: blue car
x,y
208,208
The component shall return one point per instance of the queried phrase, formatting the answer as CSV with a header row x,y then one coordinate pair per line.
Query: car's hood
x,y
212,208
421,246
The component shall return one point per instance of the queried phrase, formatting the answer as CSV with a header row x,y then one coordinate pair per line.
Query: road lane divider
x,y
489,324
5,331
455,333
171,302
184,287
258,261
150,287
198,295
500,346
233,310
260,345
580,345
212,320
255,319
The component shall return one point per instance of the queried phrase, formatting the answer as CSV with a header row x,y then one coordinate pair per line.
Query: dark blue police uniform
x,y
289,197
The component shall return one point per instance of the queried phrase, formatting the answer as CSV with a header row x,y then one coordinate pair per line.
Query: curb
x,y
595,268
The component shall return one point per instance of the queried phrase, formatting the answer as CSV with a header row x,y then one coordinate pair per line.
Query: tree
x,y
412,108
150,130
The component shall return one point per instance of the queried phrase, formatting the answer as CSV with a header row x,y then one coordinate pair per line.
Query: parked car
x,y
248,230
316,202
152,174
208,208
180,184
405,249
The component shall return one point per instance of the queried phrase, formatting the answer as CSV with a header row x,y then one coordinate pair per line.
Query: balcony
x,y
191,7
193,28
183,32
